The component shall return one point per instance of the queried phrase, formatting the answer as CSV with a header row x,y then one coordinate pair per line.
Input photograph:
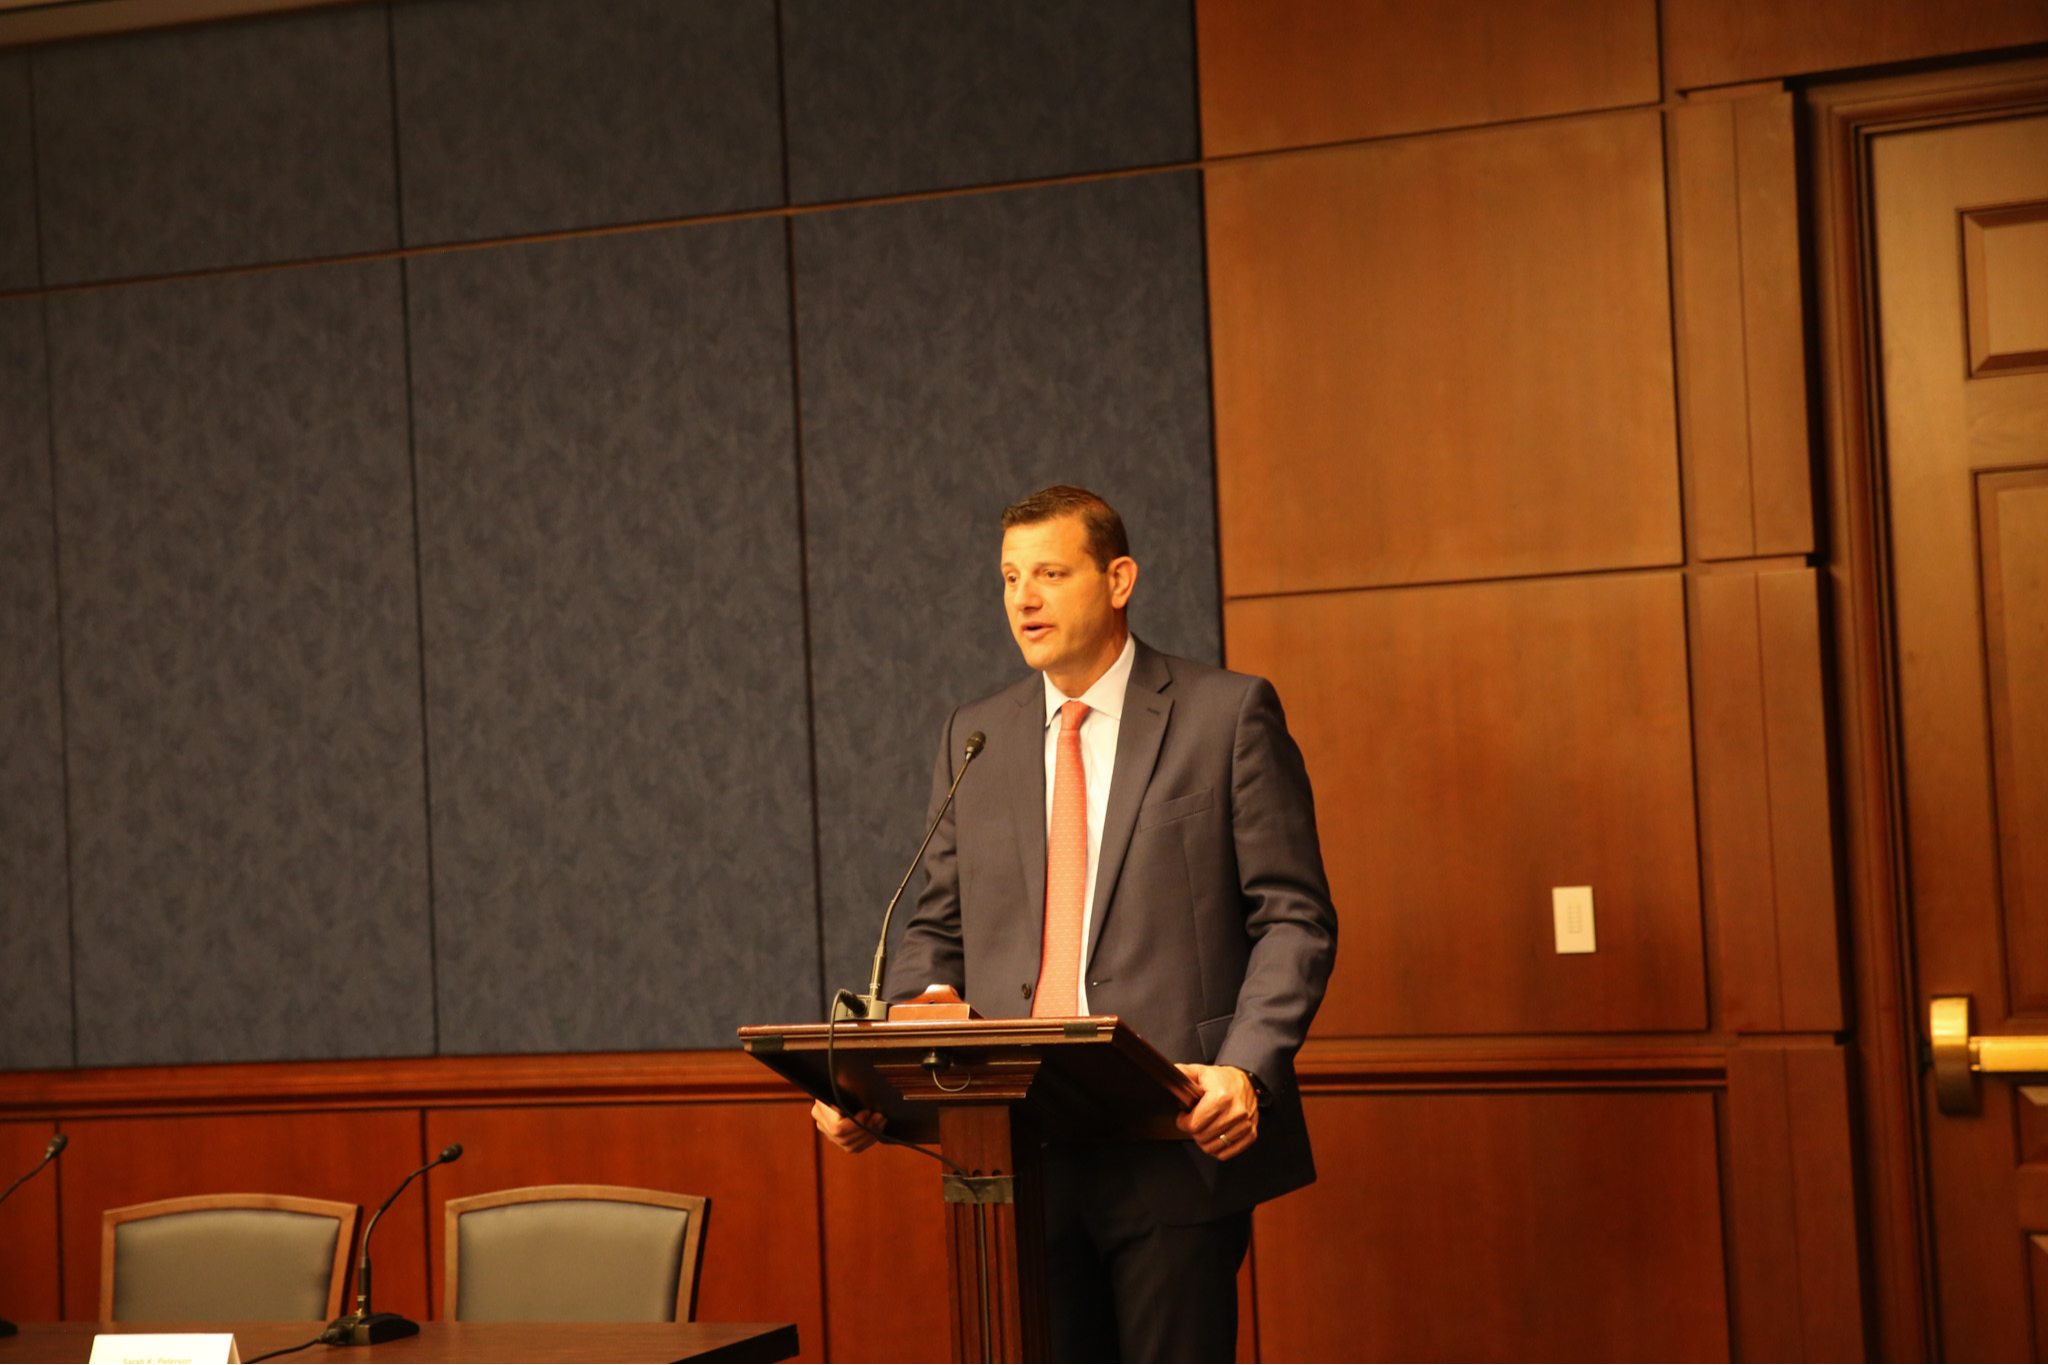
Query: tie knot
x,y
1071,716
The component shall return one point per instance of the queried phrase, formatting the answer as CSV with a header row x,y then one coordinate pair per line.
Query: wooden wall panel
x,y
359,1157
1248,1306
1722,42
1444,358
1792,1203
1734,801
885,1234
1766,823
2037,1276
1313,71
1741,327
757,1162
1713,402
1472,747
1802,814
1774,325
1505,1226
28,1226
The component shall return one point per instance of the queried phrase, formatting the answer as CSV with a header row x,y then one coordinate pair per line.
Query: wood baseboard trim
x,y
394,1083
1325,1066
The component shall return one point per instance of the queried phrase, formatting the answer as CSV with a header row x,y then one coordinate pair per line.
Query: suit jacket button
x,y
1025,989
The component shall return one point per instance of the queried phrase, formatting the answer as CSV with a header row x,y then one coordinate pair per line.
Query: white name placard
x,y
165,1348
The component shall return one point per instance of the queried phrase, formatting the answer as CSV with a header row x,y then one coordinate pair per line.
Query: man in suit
x,y
1138,839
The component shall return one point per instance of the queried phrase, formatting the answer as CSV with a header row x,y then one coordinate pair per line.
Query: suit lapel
x,y
1139,735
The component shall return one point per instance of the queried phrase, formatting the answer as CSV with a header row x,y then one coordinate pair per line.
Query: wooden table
x,y
449,1341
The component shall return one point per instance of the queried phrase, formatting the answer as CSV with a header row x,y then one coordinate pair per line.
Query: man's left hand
x,y
1225,1120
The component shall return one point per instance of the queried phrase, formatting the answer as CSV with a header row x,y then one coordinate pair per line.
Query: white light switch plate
x,y
1572,908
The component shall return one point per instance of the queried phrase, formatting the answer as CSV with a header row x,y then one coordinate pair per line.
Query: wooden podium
x,y
989,1091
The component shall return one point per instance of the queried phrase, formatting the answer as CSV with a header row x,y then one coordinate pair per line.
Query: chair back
x,y
574,1253
226,1258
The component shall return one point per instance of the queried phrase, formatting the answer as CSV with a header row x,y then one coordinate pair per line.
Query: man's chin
x,y
1039,655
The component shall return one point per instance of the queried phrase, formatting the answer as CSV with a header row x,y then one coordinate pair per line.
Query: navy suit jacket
x,y
1211,932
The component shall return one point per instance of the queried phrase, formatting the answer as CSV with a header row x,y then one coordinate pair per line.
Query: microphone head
x,y
57,1144
449,1153
974,743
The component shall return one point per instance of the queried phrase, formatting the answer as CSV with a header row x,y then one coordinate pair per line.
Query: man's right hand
x,y
855,1134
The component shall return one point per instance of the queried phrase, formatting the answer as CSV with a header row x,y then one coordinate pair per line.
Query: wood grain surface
x,y
1473,747
1740,326
1846,122
385,1082
1791,1212
1509,1226
1314,71
1968,553
28,1226
1766,826
1720,42
885,1255
1444,358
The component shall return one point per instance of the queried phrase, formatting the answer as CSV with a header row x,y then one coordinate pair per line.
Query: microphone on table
x,y
363,1327
872,1008
57,1145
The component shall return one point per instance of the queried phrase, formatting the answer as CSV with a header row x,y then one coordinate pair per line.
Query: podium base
x,y
368,1329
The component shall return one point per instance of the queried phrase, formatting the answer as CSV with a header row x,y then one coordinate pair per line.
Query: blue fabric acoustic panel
x,y
520,116
216,145
241,646
956,354
35,930
18,267
886,96
615,670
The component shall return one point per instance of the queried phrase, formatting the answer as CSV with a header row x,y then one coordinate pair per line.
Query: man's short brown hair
x,y
1106,539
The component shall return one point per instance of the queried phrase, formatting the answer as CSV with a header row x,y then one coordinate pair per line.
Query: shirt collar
x,y
1107,695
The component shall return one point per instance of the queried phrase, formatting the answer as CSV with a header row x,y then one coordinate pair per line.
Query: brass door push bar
x,y
1958,1056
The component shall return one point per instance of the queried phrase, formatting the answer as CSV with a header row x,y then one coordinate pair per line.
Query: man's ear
x,y
1123,577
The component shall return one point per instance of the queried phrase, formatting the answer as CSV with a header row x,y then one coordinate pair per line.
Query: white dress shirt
x,y
1105,703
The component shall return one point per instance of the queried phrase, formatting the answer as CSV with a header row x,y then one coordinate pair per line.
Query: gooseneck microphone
x,y
871,1008
57,1144
364,1327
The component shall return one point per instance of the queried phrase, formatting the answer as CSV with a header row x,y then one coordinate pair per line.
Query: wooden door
x,y
1960,215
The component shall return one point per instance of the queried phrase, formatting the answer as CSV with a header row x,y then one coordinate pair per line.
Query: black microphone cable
x,y
287,1350
839,1101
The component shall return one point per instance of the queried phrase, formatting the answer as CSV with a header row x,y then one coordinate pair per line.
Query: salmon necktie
x,y
1066,874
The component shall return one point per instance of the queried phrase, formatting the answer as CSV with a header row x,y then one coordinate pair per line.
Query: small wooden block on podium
x,y
937,1002
989,1092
